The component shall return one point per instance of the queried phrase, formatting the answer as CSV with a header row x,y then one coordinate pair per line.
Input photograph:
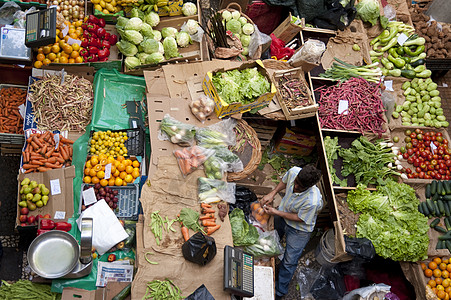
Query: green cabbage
x,y
132,62
154,58
134,24
245,40
248,29
226,15
127,48
189,9
142,57
168,32
234,26
146,30
243,234
133,36
236,15
150,46
242,20
245,51
183,39
170,48
368,11
121,21
191,26
136,13
152,18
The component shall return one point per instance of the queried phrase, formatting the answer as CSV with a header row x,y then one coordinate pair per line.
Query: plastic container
x,y
12,138
12,44
127,206
326,249
134,143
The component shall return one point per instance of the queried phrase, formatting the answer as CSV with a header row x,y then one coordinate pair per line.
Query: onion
x,y
201,116
194,110
65,13
75,14
58,9
74,3
55,2
66,2
197,104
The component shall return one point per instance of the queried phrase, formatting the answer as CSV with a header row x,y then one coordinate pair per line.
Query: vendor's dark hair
x,y
308,176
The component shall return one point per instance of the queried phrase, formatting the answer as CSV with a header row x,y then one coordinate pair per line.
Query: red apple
x,y
47,216
22,218
31,220
24,211
23,224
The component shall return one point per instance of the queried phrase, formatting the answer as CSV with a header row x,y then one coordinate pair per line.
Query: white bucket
x,y
326,249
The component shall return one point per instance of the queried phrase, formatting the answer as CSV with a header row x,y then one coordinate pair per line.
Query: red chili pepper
x,y
93,50
107,36
105,44
111,257
102,22
104,53
100,32
64,226
46,224
41,231
113,39
92,19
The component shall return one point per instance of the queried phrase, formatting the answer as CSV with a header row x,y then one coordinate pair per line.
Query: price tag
x,y
433,147
89,196
59,215
108,171
292,123
343,107
445,85
402,38
22,110
55,187
56,138
389,85
71,41
134,124
65,30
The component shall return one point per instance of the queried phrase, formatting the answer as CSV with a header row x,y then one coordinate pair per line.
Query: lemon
x,y
98,7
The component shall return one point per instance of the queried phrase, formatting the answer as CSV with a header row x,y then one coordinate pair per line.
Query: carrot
x,y
30,170
50,152
24,157
66,148
57,154
207,210
207,216
34,145
71,152
212,229
37,141
66,141
33,155
205,205
185,233
29,166
60,160
36,162
49,165
64,153
52,160
208,223
43,150
29,139
43,169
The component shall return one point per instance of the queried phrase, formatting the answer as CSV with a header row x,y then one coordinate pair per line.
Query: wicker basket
x,y
230,9
255,158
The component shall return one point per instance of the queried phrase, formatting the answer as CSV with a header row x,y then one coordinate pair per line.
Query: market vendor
x,y
295,217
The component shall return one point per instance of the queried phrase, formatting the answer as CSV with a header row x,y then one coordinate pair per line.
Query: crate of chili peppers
x,y
11,122
294,95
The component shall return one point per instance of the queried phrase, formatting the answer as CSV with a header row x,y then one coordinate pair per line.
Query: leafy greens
x,y
243,234
391,221
368,11
190,219
332,147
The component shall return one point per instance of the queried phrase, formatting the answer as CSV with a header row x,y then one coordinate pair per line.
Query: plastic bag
x,y
199,249
439,26
244,197
278,48
215,168
20,17
201,293
232,162
311,52
329,285
196,37
202,107
189,159
7,12
364,292
257,38
360,247
267,245
306,279
218,134
212,190
258,214
176,131
388,100
389,13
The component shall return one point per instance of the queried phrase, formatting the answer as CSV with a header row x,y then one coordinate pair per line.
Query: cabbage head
x,y
189,9
168,31
121,21
142,57
368,11
242,20
146,30
191,26
170,48
152,18
136,13
156,35
150,46
245,51
133,36
134,24
248,29
154,58
236,15
245,40
183,39
226,15
127,48
132,62
234,26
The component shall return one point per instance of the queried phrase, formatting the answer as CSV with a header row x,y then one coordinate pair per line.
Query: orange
x,y
437,260
66,38
78,60
446,282
87,179
437,273
111,181
97,168
120,158
124,183
440,287
448,289
439,281
67,49
135,173
87,171
127,162
57,60
446,261
95,180
78,23
40,50
46,62
38,64
103,161
128,178
445,274
103,156
101,174
94,160
92,172
62,43
63,60
442,266
40,57
113,169
103,182
88,164
129,169
122,175
110,159
51,56
74,54
118,182
441,294
136,165
47,49
116,173
448,267
432,265
120,167
446,296
428,272
432,283
56,48
71,61
76,47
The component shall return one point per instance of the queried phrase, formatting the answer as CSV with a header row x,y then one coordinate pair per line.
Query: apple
x,y
47,216
31,220
22,218
24,211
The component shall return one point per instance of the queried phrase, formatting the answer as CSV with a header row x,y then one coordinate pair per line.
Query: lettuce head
x,y
368,11
170,48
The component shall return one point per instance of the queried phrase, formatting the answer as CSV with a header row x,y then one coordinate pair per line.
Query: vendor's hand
x,y
270,210
267,199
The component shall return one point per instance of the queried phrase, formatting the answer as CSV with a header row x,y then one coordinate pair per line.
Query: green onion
x,y
342,71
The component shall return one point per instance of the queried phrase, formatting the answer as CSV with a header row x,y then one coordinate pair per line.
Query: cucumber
x,y
434,223
447,224
447,209
447,186
436,209
435,197
440,188
440,245
433,187
447,197
124,293
441,207
426,211
448,245
440,229
430,206
427,192
446,236
420,209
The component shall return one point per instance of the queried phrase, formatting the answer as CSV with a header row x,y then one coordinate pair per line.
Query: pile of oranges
x,y
61,51
123,171
438,271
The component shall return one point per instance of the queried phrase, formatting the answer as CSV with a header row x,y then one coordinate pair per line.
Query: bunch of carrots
x,y
10,119
42,153
189,159
208,220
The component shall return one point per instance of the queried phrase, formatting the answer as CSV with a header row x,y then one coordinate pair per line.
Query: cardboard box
x,y
222,108
296,143
286,31
61,200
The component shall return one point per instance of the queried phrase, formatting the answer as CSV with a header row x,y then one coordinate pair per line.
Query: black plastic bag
x,y
336,16
360,247
244,197
199,249
201,293
330,285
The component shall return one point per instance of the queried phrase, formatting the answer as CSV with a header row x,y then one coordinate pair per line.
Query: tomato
x,y
432,173
410,176
415,142
415,175
409,146
429,157
430,167
405,155
413,135
407,132
447,177
447,152
435,157
426,138
416,162
410,160
442,172
421,159
427,177
403,149
408,171
448,162
420,137
421,175
439,134
410,151
439,139
423,154
434,162
433,138
445,141
423,166
436,143
438,176
442,166
432,133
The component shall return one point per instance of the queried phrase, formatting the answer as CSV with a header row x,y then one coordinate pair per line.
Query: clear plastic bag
x,y
388,100
267,245
202,107
189,159
20,17
390,13
212,190
176,131
311,52
259,215
257,38
195,36
7,12
306,279
232,163
219,134
215,168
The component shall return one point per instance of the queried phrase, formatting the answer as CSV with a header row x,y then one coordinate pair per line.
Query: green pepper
x,y
398,62
391,36
383,34
420,68
400,51
387,64
424,74
393,52
419,50
389,45
408,74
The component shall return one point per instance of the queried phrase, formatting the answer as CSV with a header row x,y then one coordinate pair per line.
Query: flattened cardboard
x,y
61,202
71,293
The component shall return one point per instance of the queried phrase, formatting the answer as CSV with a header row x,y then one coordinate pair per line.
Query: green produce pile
x,y
367,161
24,289
156,226
422,106
391,221
342,71
240,28
162,289
332,148
241,86
243,234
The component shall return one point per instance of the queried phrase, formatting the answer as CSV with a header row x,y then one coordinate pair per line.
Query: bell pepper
x,y
93,50
111,257
105,44
84,52
38,217
41,231
417,52
93,58
106,36
102,22
46,224
92,19
84,26
398,62
95,42
84,43
100,32
63,226
86,33
104,53
92,28
113,39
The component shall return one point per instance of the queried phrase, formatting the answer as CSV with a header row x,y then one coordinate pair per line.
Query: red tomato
x,y
405,155
448,162
430,167
408,171
447,177
439,139
410,151
439,134
421,175
418,169
427,177
434,162
438,176
413,135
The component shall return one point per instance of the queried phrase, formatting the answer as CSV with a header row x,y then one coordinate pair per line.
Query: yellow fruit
x,y
56,48
88,164
109,7
95,180
76,47
103,182
124,183
46,62
128,162
95,1
37,64
129,178
71,61
94,160
101,174
129,169
135,164
116,173
122,175
135,173
47,49
92,172
56,61
102,4
121,167
87,170
87,179
105,11
52,56
118,182
120,158
64,60
111,181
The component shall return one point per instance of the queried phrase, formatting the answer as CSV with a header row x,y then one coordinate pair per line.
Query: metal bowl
x,y
53,254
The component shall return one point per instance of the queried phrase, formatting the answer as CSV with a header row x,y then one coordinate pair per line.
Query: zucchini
x,y
427,192
448,245
447,197
124,293
447,224
440,245
420,209
446,236
441,207
447,209
430,206
434,223
439,188
435,197
433,187
440,229
426,211
447,186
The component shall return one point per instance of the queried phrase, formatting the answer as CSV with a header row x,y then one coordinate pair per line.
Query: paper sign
x,y
134,125
65,30
402,38
89,196
56,138
433,147
71,41
445,85
343,107
59,215
108,171
22,110
55,187
389,85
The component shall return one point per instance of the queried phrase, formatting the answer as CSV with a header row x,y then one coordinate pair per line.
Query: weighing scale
x,y
238,272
